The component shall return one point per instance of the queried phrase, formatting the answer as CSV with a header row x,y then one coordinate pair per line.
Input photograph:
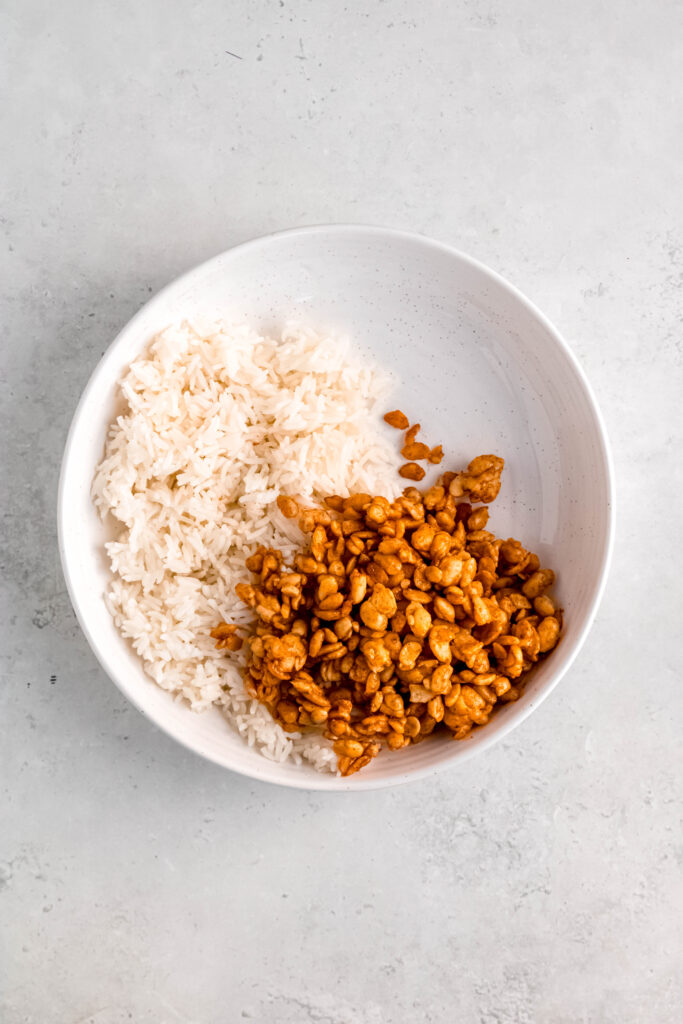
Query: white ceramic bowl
x,y
483,371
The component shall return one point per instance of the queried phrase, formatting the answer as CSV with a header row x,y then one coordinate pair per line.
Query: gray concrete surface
x,y
541,882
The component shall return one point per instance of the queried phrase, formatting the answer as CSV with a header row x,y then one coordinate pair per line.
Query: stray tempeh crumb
x,y
397,419
226,637
288,507
411,471
415,450
436,455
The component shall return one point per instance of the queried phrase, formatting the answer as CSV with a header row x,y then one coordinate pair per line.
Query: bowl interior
x,y
476,364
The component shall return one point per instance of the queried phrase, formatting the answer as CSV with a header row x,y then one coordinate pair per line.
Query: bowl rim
x,y
311,780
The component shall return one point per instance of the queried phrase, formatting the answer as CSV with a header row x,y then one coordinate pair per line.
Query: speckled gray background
x,y
540,882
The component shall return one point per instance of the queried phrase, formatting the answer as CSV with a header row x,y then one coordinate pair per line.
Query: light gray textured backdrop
x,y
541,882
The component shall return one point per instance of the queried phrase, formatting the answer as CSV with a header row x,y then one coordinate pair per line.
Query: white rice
x,y
218,424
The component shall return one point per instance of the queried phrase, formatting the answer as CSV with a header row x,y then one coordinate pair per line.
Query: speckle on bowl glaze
x,y
475,363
